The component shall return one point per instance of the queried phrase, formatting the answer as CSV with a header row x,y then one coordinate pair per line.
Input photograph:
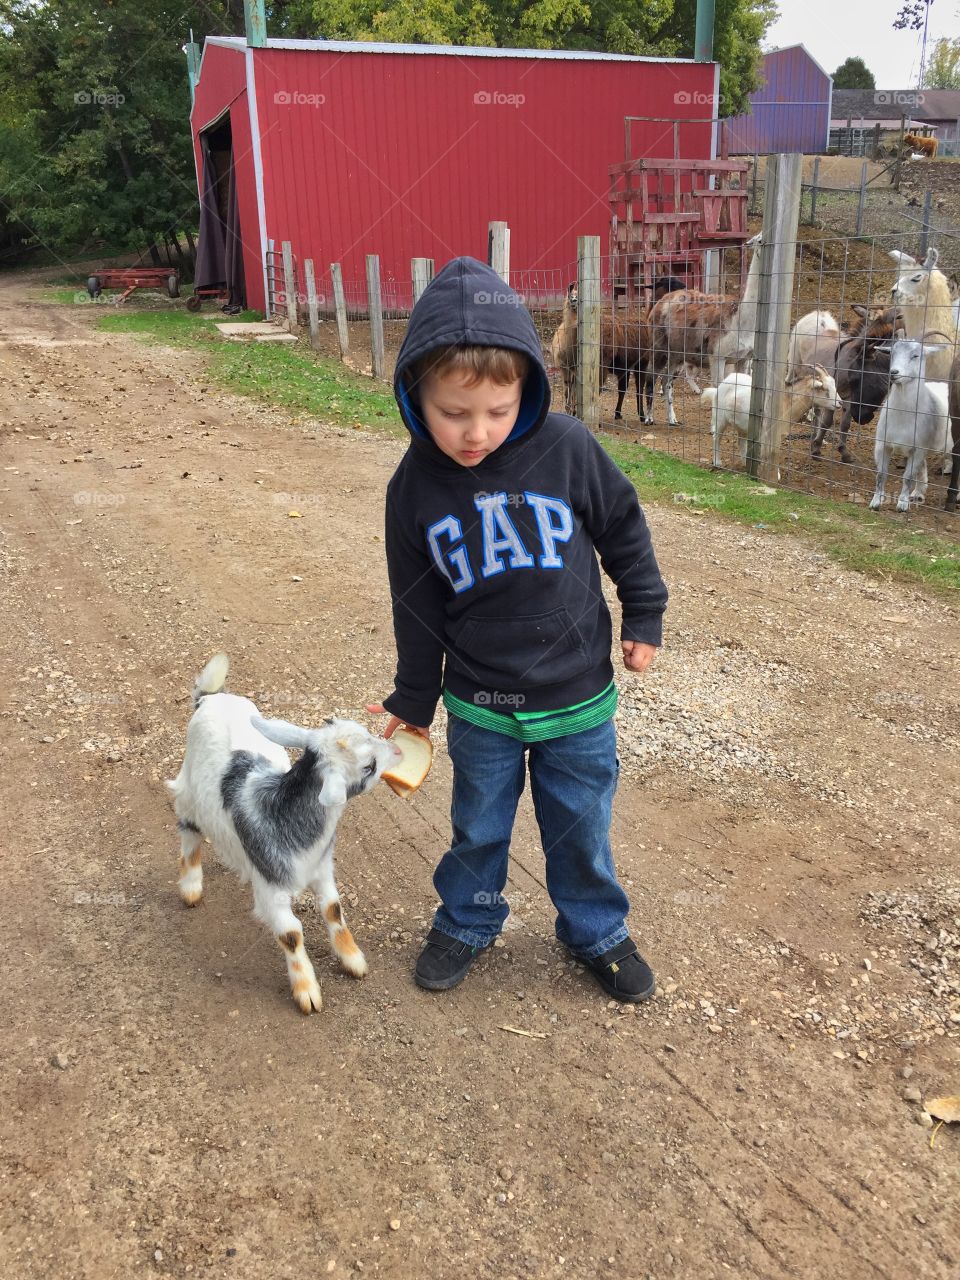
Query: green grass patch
x,y
856,538
276,373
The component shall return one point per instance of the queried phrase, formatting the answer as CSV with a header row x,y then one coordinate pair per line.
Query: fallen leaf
x,y
947,1109
294,515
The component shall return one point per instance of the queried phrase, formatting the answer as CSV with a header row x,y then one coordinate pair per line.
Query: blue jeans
x,y
572,780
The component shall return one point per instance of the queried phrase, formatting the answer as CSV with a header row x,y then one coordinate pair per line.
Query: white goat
x,y
811,389
913,418
272,824
813,341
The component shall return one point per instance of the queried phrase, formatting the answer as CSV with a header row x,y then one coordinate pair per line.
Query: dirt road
x,y
787,822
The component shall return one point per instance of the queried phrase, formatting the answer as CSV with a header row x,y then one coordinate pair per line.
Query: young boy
x,y
493,520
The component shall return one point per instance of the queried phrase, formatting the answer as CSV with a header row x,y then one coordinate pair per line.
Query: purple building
x,y
789,112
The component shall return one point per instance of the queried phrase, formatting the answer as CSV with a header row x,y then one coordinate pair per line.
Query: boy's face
x,y
468,422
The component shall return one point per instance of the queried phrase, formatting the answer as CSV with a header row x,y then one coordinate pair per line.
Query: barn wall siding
x,y
789,112
393,153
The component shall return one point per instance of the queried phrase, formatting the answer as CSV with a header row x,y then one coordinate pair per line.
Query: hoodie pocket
x,y
534,649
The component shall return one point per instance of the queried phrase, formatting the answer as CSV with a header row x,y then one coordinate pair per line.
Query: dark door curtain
x,y
219,242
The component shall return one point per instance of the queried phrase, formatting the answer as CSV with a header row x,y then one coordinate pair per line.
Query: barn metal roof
x,y
449,50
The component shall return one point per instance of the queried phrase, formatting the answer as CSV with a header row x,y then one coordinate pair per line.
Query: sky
x,y
834,30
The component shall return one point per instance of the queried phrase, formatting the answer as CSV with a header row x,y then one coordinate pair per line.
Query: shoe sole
x,y
441,984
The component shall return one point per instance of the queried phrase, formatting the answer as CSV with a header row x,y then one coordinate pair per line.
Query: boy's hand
x,y
377,709
637,656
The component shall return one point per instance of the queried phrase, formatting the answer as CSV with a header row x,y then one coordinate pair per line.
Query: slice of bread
x,y
404,778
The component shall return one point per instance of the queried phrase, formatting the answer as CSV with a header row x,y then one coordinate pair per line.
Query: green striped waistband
x,y
537,726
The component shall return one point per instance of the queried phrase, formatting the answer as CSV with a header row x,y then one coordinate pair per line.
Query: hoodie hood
x,y
468,304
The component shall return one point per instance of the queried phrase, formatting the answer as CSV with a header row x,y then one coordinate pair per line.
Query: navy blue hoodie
x,y
493,568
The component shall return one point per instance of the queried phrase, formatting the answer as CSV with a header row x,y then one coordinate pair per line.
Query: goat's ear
x,y
334,789
861,311
931,260
904,259
282,732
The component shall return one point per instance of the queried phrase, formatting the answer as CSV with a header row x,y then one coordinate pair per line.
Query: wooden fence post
x,y
862,197
421,272
813,190
925,224
290,287
498,249
898,167
312,311
588,331
375,310
340,306
781,214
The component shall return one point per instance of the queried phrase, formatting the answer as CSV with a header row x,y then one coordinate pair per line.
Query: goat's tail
x,y
708,395
212,678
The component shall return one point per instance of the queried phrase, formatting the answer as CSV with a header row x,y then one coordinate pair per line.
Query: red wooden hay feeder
x,y
665,214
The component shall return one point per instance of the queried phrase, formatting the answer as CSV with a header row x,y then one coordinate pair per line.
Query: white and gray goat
x,y
273,824
913,418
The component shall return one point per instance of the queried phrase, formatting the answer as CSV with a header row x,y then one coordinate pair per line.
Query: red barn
x,y
350,148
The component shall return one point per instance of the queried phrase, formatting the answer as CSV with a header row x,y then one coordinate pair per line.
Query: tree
x,y
653,27
853,74
943,71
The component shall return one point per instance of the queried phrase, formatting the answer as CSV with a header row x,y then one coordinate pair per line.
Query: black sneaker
x,y
622,972
444,961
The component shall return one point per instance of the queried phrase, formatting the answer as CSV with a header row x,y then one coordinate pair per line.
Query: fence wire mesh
x,y
658,357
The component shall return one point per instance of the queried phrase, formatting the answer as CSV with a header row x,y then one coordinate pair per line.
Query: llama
x,y
922,295
703,329
624,350
813,340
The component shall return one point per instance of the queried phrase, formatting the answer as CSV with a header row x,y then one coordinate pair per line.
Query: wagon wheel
x,y
194,303
93,286
173,286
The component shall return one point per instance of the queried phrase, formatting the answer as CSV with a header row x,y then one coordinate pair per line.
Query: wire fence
x,y
675,370
851,305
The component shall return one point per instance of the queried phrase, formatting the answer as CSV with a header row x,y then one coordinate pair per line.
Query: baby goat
x,y
272,824
913,418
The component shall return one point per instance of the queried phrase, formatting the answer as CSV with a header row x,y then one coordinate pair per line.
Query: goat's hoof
x,y
355,963
191,897
306,992
875,504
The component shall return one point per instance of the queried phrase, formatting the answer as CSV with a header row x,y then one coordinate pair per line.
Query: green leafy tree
x,y
853,74
943,70
95,144
652,27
